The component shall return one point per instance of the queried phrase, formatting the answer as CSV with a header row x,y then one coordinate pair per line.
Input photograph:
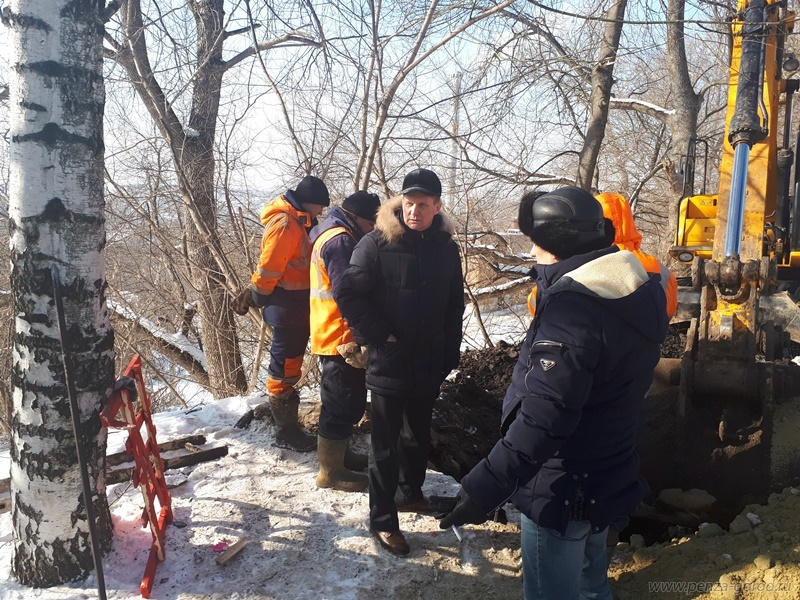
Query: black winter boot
x,y
332,472
289,434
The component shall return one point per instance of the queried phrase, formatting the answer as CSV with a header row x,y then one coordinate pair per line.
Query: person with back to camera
x,y
567,459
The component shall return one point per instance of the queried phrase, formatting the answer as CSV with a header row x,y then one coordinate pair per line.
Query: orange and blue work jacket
x,y
281,282
618,211
333,242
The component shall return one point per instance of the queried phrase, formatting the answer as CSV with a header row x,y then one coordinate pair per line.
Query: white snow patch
x,y
304,542
177,340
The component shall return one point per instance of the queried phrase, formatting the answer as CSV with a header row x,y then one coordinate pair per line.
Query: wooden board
x,y
232,551
190,456
119,458
173,462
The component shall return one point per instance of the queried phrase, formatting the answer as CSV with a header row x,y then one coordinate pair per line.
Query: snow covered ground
x,y
304,542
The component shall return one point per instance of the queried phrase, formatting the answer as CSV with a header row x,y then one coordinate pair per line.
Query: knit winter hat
x,y
362,204
311,190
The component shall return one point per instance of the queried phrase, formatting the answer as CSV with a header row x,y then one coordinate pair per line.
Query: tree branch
x,y
646,108
292,36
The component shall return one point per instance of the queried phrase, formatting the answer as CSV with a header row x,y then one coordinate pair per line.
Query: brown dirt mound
x,y
466,417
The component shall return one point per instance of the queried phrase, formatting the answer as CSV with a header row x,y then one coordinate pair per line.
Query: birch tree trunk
x,y
56,216
601,80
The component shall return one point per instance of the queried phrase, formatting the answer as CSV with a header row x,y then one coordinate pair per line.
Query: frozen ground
x,y
305,542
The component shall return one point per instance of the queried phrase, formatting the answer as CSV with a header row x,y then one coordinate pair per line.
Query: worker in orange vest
x,y
627,237
280,287
342,390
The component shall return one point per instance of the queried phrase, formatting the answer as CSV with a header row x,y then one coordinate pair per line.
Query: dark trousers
x,y
286,358
401,440
343,395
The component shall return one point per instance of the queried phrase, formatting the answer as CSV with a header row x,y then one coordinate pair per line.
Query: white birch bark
x,y
56,216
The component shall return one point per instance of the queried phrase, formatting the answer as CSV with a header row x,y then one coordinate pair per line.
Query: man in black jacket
x,y
403,297
567,459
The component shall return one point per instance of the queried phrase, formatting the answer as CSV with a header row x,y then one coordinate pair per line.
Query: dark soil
x,y
466,417
675,343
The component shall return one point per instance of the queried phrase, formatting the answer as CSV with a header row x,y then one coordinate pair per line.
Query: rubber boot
x,y
289,433
332,472
355,461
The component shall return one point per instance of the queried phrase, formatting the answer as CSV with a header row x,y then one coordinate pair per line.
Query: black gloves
x,y
457,511
242,302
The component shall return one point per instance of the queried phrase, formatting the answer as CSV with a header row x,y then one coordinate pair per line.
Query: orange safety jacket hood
x,y
285,249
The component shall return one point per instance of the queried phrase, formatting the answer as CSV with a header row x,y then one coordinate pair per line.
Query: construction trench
x,y
466,426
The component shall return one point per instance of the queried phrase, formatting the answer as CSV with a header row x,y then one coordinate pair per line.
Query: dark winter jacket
x,y
408,284
571,413
336,253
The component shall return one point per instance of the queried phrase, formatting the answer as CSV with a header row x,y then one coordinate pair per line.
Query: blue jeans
x,y
564,567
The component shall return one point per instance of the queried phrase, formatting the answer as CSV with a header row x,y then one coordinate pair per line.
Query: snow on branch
x,y
176,346
647,108
501,289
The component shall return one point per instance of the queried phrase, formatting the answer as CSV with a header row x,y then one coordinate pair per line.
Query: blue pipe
x,y
733,232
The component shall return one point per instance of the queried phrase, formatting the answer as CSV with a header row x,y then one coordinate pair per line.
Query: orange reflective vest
x,y
285,249
618,210
328,328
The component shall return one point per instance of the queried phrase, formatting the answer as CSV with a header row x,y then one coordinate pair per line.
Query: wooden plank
x,y
192,457
5,503
232,551
173,462
119,458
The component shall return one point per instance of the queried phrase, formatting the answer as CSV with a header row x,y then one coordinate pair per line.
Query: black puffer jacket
x,y
408,284
574,405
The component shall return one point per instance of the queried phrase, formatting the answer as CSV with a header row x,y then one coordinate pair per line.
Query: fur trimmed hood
x,y
389,221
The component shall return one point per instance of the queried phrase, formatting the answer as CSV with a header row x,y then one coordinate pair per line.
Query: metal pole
x,y
76,425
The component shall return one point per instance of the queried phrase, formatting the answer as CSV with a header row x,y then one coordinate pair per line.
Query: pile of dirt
x,y
466,416
756,559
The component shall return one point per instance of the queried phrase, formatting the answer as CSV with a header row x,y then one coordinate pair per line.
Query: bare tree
x,y
602,81
56,217
191,145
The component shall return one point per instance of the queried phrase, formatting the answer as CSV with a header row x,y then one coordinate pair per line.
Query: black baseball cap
x,y
423,181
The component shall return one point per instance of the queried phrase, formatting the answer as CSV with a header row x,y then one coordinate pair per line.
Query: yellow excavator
x,y
738,411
